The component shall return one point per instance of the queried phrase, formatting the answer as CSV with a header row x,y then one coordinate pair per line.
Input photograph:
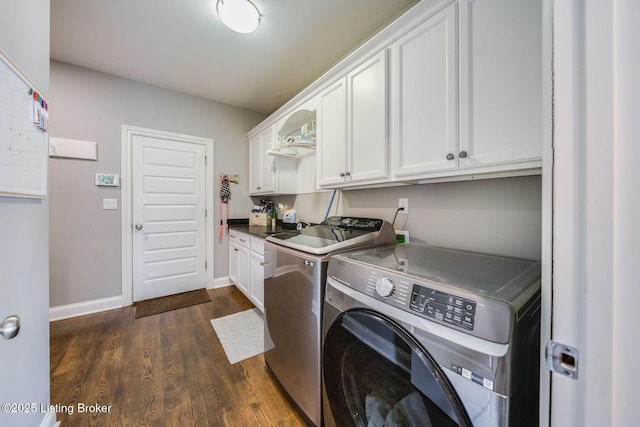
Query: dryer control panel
x,y
443,307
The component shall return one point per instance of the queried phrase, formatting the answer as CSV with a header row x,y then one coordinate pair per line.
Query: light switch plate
x,y
109,204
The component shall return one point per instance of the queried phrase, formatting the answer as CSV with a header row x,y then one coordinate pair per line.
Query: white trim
x,y
221,282
49,420
547,209
86,307
126,220
588,185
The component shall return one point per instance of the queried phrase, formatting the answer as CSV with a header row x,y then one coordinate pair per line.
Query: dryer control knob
x,y
384,287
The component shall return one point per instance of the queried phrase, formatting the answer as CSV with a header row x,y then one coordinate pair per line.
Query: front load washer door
x,y
377,374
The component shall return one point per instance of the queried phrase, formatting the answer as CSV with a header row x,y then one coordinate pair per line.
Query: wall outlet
x,y
403,203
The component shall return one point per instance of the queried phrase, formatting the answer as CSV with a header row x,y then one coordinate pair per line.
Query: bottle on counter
x,y
274,219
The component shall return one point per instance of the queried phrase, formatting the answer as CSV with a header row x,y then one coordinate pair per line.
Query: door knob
x,y
462,154
450,156
138,226
10,327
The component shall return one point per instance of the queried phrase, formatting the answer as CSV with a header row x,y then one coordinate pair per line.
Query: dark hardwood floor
x,y
168,369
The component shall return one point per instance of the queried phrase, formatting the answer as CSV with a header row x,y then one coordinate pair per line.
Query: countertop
x,y
260,231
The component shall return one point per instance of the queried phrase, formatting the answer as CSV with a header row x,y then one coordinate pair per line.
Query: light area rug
x,y
242,335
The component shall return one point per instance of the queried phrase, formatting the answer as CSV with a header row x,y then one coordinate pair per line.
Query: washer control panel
x,y
391,290
443,307
352,223
385,286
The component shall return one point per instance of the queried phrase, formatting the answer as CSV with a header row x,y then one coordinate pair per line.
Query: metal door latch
x,y
562,359
10,327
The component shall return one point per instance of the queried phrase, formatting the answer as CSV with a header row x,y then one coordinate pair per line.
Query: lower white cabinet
x,y
246,266
256,289
239,259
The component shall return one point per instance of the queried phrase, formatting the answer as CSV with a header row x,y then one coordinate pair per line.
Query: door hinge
x,y
205,213
562,359
205,160
205,265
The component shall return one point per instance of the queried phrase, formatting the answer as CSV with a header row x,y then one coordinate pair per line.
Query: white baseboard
x,y
82,308
49,420
104,304
220,282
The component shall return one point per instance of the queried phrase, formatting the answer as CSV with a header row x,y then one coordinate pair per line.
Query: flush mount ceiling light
x,y
241,16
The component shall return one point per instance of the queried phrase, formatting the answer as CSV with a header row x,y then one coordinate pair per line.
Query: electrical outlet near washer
x,y
403,203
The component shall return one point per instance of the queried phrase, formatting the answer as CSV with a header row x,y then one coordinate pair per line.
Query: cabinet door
x,y
233,262
257,280
268,162
239,265
244,265
367,120
424,101
501,82
261,165
255,165
332,135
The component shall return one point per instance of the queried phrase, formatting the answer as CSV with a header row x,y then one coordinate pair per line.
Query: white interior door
x,y
168,213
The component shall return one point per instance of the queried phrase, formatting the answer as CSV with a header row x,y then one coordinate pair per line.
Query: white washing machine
x,y
423,336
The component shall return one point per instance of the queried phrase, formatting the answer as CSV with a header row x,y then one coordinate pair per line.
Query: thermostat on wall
x,y
107,180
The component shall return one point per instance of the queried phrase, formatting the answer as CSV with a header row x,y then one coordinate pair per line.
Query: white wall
x,y
24,234
88,105
496,216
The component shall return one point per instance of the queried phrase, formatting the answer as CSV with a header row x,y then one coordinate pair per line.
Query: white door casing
x,y
595,210
165,194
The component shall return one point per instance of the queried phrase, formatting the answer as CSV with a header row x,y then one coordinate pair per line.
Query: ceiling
x,y
183,45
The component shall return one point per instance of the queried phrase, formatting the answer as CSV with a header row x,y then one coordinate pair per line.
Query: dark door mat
x,y
171,302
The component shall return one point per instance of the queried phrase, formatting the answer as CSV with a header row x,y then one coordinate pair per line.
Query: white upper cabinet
x,y
452,89
268,174
261,165
467,91
352,127
367,120
424,96
501,84
332,135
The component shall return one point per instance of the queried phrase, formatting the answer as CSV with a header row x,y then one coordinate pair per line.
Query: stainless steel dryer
x,y
425,336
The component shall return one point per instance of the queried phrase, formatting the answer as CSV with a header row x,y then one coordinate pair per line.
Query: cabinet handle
x,y
342,174
347,173
450,156
463,154
262,264
258,188
236,249
242,240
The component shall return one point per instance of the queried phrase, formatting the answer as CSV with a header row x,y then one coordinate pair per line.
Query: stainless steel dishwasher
x,y
295,275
